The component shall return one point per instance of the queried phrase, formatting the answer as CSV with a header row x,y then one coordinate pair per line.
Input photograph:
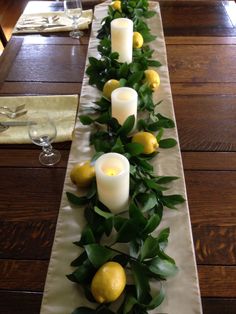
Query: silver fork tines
x,y
13,115
18,108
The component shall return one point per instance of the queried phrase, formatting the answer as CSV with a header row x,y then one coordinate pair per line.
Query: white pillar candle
x,y
112,176
122,39
124,103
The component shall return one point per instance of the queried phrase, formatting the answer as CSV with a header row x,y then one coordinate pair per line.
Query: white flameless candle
x,y
124,103
112,176
122,39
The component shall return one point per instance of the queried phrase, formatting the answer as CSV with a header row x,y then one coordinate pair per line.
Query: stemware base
x,y
76,34
50,158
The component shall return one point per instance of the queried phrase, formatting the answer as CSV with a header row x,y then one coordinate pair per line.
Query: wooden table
x,y
201,47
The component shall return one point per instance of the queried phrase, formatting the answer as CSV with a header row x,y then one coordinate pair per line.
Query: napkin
x,y
61,109
83,23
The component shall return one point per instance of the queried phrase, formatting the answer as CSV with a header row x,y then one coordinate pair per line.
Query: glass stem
x,y
74,25
47,149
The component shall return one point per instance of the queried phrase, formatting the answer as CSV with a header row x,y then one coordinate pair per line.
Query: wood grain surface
x,y
201,49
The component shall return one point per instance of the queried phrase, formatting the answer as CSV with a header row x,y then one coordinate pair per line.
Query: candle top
x,y
122,22
111,171
112,165
124,95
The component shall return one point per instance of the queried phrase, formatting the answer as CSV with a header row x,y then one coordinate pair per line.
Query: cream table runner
x,y
61,109
182,291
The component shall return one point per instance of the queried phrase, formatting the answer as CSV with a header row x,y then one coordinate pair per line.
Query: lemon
x,y
108,283
109,86
148,140
82,174
137,40
116,5
152,78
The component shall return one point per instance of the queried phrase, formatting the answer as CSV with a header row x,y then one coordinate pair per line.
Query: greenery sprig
x,y
145,259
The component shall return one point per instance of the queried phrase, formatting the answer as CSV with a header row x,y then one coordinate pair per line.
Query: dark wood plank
x,y
208,204
49,64
37,193
22,302
27,158
211,246
26,239
202,18
23,275
8,57
217,281
213,127
203,88
218,305
200,161
39,88
202,63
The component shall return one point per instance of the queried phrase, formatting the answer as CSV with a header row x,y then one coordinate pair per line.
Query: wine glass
x,y
73,9
42,131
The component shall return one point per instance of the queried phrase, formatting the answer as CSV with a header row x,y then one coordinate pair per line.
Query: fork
x,y
13,115
18,108
42,19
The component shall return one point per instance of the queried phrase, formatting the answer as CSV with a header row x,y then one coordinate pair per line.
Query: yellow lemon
x,y
137,40
152,78
148,140
116,5
108,283
109,86
82,174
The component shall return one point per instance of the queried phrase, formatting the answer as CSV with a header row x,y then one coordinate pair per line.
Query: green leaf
x,y
102,213
167,143
135,78
85,120
162,267
135,213
104,118
104,310
128,231
163,238
164,121
152,224
159,135
154,186
96,156
127,126
83,310
154,63
118,147
80,259
87,236
150,248
123,71
122,82
98,254
171,200
130,301
157,300
134,148
147,201
141,282
83,274
149,14
165,179
76,200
